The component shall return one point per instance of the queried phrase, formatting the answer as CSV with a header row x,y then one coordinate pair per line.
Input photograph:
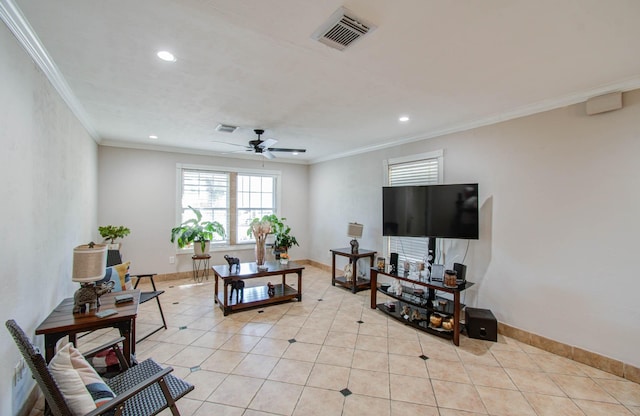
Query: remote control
x,y
106,312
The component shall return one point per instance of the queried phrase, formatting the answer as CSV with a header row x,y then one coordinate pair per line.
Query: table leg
x,y
300,286
456,318
374,288
128,347
355,275
333,269
215,288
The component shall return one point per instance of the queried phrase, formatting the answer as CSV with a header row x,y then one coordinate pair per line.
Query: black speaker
x,y
462,271
481,324
394,263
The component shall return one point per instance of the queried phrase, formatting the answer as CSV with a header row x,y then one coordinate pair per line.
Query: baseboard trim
x,y
572,352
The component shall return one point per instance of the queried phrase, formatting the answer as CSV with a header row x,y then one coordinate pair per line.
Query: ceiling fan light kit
x,y
264,148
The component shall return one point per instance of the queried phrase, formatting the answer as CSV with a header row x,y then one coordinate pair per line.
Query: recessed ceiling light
x,y
166,56
403,119
153,137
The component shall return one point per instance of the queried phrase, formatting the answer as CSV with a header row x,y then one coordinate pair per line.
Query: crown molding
x,y
12,16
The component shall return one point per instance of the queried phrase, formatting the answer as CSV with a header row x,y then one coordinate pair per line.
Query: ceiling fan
x,y
264,148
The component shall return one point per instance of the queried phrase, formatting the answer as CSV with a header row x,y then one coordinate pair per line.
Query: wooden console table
x,y
427,303
257,295
63,322
356,284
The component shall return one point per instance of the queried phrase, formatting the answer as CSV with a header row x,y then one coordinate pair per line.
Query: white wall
x,y
49,205
137,189
559,220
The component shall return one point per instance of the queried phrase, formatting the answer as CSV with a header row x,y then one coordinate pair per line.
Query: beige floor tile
x,y
625,391
408,365
229,326
515,359
223,361
212,339
236,391
341,339
370,360
594,408
291,371
371,343
271,347
375,329
448,371
489,376
255,329
454,412
311,335
410,347
545,405
457,396
329,377
318,323
501,402
276,397
335,356
253,365
369,383
190,356
205,381
550,363
163,352
302,351
482,357
319,402
208,409
411,389
240,343
357,405
578,387
534,382
404,409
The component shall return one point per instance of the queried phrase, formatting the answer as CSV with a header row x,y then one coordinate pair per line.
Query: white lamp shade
x,y
355,230
89,263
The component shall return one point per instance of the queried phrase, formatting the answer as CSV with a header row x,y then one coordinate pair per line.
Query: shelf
x,y
258,296
421,301
421,325
361,284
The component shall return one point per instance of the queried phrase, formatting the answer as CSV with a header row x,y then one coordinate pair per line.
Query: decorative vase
x,y
261,252
284,261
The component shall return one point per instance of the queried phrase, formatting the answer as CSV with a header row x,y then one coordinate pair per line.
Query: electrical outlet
x,y
172,260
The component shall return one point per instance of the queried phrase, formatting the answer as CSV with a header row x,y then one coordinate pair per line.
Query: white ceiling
x,y
449,65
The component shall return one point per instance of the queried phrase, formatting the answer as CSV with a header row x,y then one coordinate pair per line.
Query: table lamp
x,y
355,232
89,265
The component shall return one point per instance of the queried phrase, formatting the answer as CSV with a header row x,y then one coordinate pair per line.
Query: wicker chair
x,y
144,389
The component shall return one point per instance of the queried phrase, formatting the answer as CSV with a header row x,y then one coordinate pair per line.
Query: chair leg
x,y
164,323
167,395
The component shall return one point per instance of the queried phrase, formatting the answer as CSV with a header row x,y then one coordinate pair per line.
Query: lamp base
x,y
89,294
354,246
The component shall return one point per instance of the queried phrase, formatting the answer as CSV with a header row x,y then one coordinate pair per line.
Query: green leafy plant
x,y
195,230
283,240
112,232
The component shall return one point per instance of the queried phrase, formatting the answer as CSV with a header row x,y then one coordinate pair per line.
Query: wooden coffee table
x,y
63,322
258,295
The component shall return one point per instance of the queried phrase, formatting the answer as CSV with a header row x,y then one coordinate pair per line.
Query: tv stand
x,y
427,304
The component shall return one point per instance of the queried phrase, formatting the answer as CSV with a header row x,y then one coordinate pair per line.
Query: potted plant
x,y
283,240
111,233
195,230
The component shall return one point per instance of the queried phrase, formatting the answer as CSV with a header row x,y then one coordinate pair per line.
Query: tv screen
x,y
441,211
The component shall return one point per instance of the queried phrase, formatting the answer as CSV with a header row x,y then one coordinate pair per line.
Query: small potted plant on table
x,y
111,233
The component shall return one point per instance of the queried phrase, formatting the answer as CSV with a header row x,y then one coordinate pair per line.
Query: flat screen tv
x,y
440,211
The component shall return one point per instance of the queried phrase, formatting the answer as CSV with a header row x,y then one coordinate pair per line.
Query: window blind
x,y
424,171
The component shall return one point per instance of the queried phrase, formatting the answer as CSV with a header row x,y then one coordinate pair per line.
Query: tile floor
x,y
314,358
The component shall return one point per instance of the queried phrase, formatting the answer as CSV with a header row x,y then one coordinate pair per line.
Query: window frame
x,y
231,242
388,163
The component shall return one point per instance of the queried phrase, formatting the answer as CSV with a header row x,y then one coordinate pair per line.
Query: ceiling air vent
x,y
342,29
226,128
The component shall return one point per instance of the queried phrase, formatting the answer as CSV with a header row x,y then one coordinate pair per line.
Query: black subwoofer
x,y
481,324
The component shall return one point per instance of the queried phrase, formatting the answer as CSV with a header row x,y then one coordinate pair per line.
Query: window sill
x,y
218,249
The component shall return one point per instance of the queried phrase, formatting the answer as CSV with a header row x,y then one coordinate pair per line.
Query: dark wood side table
x,y
63,322
258,295
356,284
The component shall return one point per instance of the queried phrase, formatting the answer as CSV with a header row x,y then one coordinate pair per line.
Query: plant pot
x,y
197,248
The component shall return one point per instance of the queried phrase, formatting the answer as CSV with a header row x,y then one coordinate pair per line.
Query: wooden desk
x,y
258,295
63,322
356,284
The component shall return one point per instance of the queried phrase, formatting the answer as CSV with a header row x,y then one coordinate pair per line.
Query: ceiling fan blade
x,y
268,143
266,153
280,149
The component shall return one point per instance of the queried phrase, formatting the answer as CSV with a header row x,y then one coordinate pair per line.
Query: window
x,y
424,169
230,197
256,198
